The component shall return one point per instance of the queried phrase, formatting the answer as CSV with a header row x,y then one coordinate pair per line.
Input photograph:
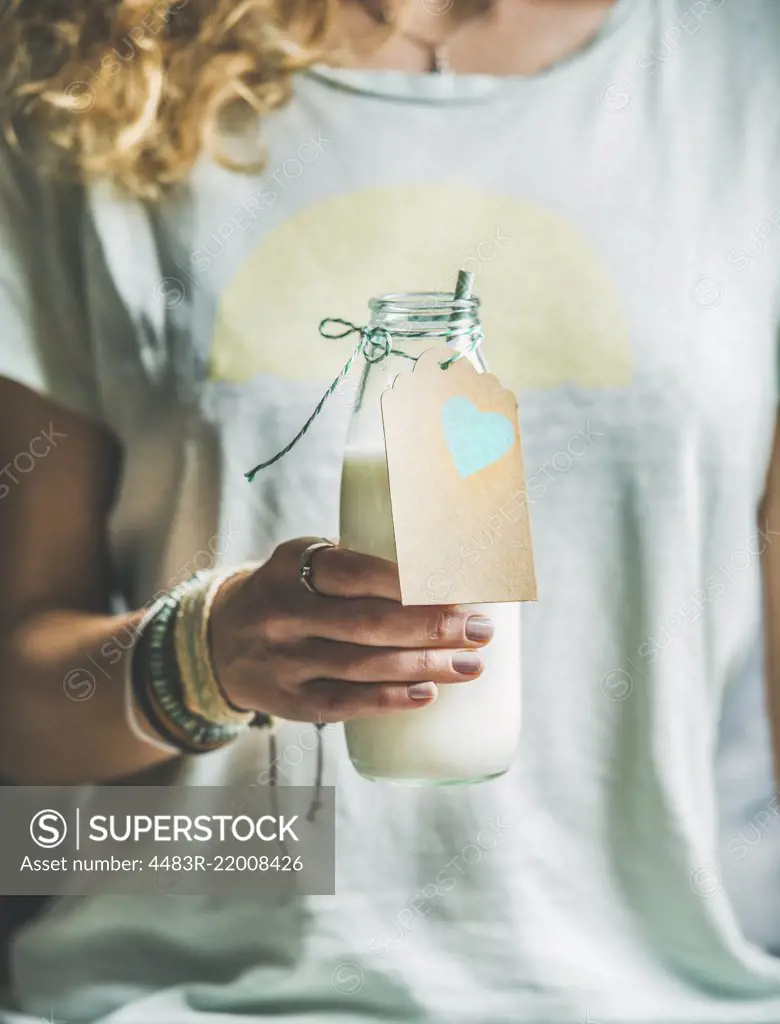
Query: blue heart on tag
x,y
475,439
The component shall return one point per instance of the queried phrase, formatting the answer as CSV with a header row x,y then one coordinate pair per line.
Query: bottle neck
x,y
412,323
417,321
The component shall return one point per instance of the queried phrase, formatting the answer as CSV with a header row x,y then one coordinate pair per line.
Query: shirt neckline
x,y
453,88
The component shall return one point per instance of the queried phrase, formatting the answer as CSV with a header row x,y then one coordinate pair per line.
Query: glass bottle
x,y
471,731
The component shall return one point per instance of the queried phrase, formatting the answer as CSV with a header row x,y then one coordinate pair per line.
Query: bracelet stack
x,y
172,675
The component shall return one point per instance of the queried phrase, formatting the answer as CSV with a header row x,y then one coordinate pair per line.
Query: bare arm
x,y
276,647
770,523
54,591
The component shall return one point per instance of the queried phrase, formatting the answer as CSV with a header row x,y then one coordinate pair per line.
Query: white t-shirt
x,y
622,212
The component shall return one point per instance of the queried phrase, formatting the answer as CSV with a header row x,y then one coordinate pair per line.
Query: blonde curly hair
x,y
135,89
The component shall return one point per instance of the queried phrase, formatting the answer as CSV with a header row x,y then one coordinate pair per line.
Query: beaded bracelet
x,y
152,676
172,677
165,690
144,726
140,692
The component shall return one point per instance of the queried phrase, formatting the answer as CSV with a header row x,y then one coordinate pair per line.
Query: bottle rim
x,y
426,316
405,301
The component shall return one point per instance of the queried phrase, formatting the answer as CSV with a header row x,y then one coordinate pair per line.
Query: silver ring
x,y
305,568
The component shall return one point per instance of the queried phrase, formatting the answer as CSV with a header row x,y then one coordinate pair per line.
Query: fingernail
x,y
467,663
478,628
422,691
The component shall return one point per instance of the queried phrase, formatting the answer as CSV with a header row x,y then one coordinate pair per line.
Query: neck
x,y
502,37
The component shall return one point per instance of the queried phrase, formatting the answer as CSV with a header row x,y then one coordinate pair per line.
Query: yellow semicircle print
x,y
550,310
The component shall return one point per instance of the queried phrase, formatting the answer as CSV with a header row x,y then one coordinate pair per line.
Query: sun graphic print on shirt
x,y
550,310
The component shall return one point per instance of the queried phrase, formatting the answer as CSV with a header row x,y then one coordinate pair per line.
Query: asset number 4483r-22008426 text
x,y
228,862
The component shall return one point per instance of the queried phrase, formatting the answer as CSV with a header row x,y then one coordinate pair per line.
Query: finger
x,y
337,701
360,664
372,622
339,572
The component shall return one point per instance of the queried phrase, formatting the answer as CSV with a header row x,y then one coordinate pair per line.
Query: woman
x,y
609,168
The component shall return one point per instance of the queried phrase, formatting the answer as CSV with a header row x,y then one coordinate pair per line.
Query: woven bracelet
x,y
165,689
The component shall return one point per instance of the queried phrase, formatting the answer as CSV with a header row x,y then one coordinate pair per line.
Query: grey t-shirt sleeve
x,y
44,330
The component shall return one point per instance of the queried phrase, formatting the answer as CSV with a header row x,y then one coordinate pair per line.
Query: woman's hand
x,y
348,651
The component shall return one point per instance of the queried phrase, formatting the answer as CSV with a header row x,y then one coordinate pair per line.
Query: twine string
x,y
375,345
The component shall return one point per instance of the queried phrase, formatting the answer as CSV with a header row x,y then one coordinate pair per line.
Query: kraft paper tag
x,y
457,486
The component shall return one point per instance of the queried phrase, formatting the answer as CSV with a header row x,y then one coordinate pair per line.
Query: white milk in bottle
x,y
470,732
